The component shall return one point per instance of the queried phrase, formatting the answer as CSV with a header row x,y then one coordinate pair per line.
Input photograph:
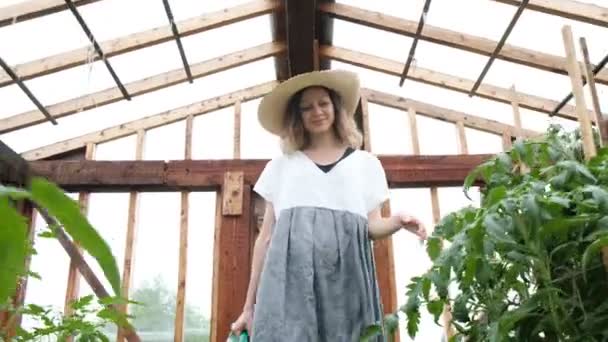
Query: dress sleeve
x,y
266,183
377,190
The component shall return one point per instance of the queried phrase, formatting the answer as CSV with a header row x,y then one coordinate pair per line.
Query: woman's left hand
x,y
413,225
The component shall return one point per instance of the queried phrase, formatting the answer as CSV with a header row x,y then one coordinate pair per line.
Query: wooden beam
x,y
34,9
402,171
142,86
232,266
279,34
454,39
324,28
149,122
139,40
577,89
588,13
595,100
300,20
444,114
442,80
410,56
14,170
130,235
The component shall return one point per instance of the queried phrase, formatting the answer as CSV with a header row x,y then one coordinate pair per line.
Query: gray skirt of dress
x,y
319,279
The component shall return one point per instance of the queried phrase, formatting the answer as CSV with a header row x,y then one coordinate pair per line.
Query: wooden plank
x,y
595,100
413,124
34,9
367,141
143,86
14,170
442,80
232,268
585,12
385,267
183,244
506,141
139,40
516,113
279,34
453,39
300,20
579,95
73,282
149,122
444,114
237,130
232,193
131,234
402,171
461,138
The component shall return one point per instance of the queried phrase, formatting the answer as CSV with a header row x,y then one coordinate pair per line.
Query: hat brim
x,y
273,107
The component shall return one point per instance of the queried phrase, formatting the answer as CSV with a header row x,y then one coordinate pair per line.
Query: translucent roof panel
x,y
110,19
14,101
41,37
143,105
186,9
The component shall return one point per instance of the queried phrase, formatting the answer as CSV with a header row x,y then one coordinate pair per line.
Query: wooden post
x,y
581,107
506,140
461,136
73,284
131,233
232,265
365,119
599,118
237,130
577,87
180,306
516,114
315,52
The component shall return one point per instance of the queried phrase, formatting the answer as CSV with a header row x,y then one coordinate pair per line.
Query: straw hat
x,y
273,107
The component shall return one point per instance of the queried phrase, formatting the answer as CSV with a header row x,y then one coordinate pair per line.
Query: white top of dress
x,y
356,184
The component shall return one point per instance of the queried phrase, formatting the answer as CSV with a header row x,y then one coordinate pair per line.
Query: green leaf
x,y
13,192
433,247
413,320
13,248
435,308
591,250
495,195
370,331
68,213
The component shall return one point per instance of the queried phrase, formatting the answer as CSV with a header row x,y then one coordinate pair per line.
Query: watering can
x,y
244,337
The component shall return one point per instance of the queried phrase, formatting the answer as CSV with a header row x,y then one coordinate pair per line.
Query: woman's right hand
x,y
244,322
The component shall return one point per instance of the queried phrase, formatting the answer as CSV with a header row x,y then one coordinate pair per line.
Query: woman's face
x,y
317,110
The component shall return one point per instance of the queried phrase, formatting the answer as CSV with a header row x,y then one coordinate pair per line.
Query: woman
x,y
313,275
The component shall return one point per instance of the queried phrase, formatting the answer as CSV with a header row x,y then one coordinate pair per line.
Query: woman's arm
x,y
259,255
381,227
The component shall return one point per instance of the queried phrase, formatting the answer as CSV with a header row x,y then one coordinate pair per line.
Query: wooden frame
x,y
453,39
143,86
139,40
588,13
34,9
442,80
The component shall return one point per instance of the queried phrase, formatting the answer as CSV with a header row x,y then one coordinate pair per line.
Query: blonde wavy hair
x,y
295,137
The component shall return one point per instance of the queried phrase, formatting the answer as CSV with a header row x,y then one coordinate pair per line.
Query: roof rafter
x,y
453,39
442,80
149,122
444,114
142,86
300,23
34,9
251,93
588,13
141,40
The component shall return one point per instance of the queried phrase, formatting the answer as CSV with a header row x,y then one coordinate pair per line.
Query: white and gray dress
x,y
318,282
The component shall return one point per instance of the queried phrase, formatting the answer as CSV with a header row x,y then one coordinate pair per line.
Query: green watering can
x,y
244,337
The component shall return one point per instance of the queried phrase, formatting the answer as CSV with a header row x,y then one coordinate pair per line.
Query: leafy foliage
x,y
527,263
15,247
